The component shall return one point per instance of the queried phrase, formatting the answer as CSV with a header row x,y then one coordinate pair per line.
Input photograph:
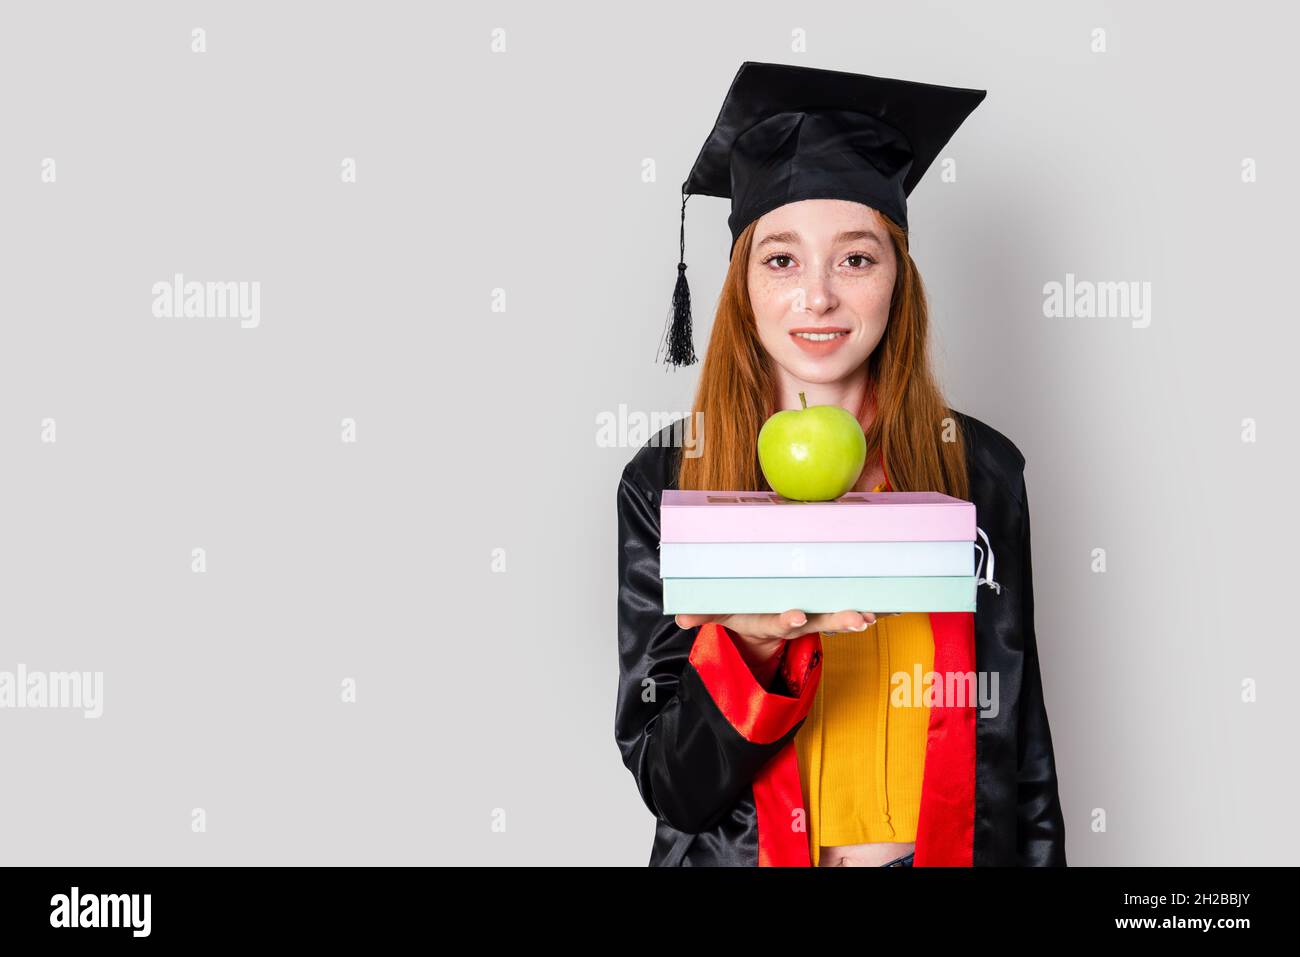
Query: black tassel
x,y
681,350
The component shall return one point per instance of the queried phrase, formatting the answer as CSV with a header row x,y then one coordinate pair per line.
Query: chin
x,y
820,371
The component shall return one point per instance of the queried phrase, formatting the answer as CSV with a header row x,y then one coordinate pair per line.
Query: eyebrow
x,y
792,237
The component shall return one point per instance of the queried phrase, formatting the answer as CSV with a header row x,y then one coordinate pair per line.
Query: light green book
x,y
757,596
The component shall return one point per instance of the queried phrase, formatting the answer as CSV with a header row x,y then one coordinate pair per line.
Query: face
x,y
824,268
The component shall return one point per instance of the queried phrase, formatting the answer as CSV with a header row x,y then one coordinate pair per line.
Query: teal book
x,y
755,596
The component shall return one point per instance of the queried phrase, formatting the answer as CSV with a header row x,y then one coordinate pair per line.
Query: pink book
x,y
703,516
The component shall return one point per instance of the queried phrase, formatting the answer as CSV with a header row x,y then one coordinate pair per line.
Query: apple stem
x,y
802,401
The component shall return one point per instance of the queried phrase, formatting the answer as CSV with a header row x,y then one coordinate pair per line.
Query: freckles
x,y
878,288
768,293
882,292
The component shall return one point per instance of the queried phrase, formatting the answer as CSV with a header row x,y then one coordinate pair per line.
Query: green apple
x,y
813,454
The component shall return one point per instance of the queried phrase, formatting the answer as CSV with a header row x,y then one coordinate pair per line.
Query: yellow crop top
x,y
861,759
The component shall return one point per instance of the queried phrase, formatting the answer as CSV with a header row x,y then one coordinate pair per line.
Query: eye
x,y
861,256
777,256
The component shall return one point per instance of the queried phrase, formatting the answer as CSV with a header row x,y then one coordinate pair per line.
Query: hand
x,y
764,633
761,637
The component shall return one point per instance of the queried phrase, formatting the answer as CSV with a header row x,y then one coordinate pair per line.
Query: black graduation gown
x,y
713,753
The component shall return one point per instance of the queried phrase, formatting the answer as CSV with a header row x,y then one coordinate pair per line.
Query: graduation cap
x,y
789,133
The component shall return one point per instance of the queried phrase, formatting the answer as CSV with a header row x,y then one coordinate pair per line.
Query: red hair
x,y
912,429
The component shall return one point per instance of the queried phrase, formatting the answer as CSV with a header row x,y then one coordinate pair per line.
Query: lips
x,y
819,340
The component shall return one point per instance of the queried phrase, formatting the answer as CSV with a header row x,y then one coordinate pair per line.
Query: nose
x,y
816,293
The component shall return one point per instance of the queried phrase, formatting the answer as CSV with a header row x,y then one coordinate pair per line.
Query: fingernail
x,y
801,620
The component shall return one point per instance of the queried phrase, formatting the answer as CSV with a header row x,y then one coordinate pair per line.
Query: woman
x,y
774,739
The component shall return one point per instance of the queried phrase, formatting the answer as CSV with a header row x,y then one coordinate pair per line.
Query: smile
x,y
819,343
819,336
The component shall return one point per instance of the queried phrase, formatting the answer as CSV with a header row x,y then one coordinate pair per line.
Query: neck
x,y
848,393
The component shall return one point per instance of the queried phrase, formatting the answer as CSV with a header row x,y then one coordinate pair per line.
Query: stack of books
x,y
758,553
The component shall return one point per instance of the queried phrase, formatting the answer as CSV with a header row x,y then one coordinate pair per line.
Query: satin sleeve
x,y
692,722
1040,834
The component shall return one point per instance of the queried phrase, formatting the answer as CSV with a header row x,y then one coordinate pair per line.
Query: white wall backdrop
x,y
389,460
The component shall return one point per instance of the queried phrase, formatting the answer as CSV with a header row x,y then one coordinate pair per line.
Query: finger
x,y
833,624
792,621
694,621
788,624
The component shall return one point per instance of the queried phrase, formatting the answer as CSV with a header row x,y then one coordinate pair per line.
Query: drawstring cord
x,y
989,579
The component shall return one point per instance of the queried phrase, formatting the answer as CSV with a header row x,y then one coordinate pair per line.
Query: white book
x,y
815,559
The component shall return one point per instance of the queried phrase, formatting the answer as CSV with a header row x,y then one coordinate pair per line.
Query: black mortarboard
x,y
788,133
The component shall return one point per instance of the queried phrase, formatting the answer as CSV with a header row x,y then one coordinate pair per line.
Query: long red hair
x,y
918,434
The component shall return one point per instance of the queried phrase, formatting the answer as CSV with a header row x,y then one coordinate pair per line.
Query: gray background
x,y
522,171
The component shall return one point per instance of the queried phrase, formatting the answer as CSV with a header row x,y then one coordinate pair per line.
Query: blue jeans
x,y
904,861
